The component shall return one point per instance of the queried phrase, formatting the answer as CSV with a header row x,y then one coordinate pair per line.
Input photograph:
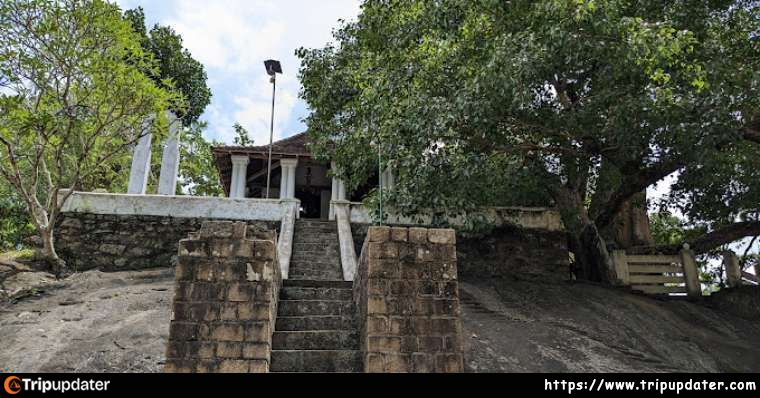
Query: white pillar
x,y
288,181
387,181
285,174
733,269
341,190
334,193
338,191
138,175
167,183
239,174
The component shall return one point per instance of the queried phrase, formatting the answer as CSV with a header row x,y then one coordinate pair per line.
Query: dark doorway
x,y
310,203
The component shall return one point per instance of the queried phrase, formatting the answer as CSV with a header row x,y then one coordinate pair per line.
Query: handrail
x,y
346,239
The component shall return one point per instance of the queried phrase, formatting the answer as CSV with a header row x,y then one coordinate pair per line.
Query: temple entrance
x,y
311,203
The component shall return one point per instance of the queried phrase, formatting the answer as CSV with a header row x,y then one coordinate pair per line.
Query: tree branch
x,y
711,240
632,185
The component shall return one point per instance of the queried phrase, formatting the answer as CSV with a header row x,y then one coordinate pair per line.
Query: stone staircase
x,y
316,328
316,252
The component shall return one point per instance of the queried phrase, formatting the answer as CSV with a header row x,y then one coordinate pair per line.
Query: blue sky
x,y
232,38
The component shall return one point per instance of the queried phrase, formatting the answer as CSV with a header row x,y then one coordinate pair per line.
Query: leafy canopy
x,y
547,90
583,103
73,98
176,66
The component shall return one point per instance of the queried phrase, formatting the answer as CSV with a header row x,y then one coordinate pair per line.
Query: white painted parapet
x,y
174,206
287,228
526,217
167,182
348,258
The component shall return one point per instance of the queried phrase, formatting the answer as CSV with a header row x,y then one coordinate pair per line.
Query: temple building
x,y
296,174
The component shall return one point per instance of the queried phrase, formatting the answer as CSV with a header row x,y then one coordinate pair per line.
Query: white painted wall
x,y
526,217
175,206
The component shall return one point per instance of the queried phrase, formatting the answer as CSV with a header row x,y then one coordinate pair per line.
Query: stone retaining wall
x,y
225,301
408,301
127,242
505,251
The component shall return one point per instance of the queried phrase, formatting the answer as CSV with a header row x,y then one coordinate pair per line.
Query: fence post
x,y
690,273
733,269
621,267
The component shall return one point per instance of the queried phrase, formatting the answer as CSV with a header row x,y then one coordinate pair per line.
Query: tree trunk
x,y
630,227
592,260
49,255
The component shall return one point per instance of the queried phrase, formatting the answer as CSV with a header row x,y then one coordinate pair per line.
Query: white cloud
x,y
232,38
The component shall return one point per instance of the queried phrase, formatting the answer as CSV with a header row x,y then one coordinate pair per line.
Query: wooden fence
x,y
669,275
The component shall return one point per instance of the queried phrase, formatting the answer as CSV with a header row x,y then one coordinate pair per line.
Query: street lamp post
x,y
273,68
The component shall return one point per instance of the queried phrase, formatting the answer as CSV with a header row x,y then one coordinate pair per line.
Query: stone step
x,y
314,293
323,255
308,269
315,276
315,240
315,307
327,295
341,361
332,261
315,247
321,284
319,275
316,340
318,231
303,323
318,267
304,221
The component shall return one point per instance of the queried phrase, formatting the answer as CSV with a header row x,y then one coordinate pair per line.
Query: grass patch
x,y
23,254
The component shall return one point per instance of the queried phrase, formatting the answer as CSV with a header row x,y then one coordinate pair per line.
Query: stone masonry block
x,y
256,351
193,248
418,235
223,230
258,366
382,250
233,366
442,236
378,234
228,332
399,234
384,344
377,325
258,332
229,350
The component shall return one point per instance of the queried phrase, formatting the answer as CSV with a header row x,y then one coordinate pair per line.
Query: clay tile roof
x,y
294,145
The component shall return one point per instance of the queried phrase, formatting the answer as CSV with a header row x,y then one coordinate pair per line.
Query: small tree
x,y
198,175
72,97
241,135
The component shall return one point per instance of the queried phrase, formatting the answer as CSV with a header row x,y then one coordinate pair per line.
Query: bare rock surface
x,y
90,322
119,322
519,326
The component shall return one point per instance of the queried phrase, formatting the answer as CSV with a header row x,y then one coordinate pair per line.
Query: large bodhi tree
x,y
73,95
592,101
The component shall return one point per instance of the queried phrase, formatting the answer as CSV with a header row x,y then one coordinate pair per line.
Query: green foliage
x,y
551,91
241,136
198,175
15,225
177,68
74,98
